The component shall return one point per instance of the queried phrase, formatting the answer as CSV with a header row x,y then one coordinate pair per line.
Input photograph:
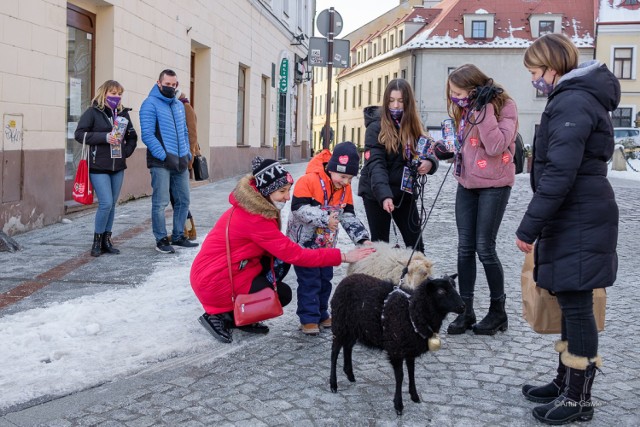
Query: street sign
x,y
319,52
323,23
284,75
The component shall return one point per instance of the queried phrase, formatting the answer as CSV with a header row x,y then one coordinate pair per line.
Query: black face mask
x,y
168,91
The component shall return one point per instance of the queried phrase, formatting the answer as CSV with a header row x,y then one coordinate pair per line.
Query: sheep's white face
x,y
419,270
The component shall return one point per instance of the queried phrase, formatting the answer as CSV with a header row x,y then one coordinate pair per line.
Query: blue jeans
x,y
314,290
578,322
161,180
107,187
479,213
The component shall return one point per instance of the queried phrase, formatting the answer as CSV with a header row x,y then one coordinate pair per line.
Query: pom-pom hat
x,y
345,159
269,175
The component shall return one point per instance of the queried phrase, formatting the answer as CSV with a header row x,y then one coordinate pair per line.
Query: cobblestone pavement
x,y
281,379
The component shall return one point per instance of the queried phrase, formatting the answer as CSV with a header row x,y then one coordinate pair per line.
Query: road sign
x,y
319,52
323,23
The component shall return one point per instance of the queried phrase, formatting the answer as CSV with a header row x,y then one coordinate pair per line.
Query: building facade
x,y
241,63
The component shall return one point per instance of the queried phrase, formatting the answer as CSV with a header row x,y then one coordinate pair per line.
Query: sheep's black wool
x,y
368,310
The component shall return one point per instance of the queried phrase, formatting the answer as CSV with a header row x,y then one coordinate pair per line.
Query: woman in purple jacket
x,y
486,121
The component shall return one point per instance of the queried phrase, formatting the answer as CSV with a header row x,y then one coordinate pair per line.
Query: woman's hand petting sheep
x,y
387,205
357,254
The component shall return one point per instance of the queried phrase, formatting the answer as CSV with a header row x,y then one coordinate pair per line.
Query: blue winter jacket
x,y
164,131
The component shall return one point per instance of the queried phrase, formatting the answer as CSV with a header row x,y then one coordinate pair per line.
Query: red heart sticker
x,y
343,160
506,158
482,164
367,154
474,142
289,178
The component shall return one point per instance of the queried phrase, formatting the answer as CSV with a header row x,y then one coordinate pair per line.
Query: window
x,y
358,58
450,70
359,129
379,88
546,27
264,93
391,45
360,95
364,58
242,86
384,45
353,134
395,76
400,37
386,81
334,105
630,2
622,61
345,100
621,117
479,29
370,90
344,133
375,49
403,74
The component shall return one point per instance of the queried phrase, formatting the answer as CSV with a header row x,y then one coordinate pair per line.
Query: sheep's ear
x,y
453,276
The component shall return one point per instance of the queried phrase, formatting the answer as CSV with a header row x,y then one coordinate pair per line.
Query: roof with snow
x,y
618,11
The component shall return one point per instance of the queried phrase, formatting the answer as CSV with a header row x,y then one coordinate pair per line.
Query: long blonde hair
x,y
101,94
392,138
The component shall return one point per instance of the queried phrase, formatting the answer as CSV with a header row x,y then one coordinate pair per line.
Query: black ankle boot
x,y
465,320
218,326
96,249
107,245
495,320
551,391
574,404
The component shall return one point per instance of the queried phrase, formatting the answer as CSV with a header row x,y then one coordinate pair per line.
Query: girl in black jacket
x,y
391,141
573,215
109,148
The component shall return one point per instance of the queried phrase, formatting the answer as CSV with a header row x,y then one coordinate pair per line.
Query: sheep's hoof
x,y
334,389
415,398
399,412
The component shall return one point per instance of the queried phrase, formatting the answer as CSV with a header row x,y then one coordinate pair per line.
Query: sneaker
x,y
255,328
164,247
310,329
184,242
326,323
216,325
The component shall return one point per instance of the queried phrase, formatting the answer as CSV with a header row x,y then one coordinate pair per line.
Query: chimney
x,y
428,4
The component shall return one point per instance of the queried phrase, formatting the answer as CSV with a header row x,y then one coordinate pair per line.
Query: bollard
x,y
619,163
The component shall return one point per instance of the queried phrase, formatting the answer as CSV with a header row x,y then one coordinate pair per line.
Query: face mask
x,y
168,91
113,101
543,86
461,102
279,205
396,113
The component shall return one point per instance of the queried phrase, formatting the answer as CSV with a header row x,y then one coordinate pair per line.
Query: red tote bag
x,y
82,190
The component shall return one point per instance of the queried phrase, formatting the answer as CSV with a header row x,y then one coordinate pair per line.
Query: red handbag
x,y
82,190
255,307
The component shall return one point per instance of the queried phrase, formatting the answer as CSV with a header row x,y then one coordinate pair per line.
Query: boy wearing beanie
x,y
322,200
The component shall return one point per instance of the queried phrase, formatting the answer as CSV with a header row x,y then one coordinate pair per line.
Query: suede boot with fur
x,y
496,320
574,404
96,249
465,320
549,392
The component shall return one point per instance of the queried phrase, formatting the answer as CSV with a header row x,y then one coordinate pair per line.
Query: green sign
x,y
284,75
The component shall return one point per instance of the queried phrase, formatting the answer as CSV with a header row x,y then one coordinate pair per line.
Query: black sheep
x,y
404,323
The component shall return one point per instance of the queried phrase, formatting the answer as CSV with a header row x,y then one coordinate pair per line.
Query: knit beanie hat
x,y
270,175
345,159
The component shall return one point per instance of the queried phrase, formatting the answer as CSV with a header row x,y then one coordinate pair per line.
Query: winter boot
x,y
465,320
574,404
549,392
107,245
218,325
96,249
495,320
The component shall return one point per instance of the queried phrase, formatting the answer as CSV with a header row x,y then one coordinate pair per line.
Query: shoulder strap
x,y
233,292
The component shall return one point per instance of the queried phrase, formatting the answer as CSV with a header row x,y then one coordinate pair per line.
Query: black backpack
x,y
518,156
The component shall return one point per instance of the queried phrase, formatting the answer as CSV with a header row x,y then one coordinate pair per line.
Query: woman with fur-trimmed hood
x,y
260,253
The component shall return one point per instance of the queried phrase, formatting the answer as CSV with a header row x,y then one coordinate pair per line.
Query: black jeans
x,y
405,217
265,279
578,322
479,213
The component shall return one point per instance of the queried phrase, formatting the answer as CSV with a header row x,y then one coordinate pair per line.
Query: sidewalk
x,y
282,378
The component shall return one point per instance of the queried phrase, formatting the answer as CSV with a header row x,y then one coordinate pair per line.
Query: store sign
x,y
284,75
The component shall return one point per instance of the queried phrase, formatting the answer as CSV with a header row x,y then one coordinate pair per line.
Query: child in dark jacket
x,y
322,200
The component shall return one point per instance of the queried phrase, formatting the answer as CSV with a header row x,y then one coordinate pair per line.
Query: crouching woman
x,y
260,253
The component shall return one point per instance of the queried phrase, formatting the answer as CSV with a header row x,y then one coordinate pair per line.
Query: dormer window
x,y
545,24
630,2
478,25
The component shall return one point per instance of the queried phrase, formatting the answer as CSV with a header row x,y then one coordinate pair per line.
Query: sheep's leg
x,y
411,367
348,362
335,352
397,371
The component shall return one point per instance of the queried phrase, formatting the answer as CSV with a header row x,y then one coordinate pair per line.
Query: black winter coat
x,y
573,214
381,175
97,123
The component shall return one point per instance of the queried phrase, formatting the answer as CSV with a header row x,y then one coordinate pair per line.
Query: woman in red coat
x,y
260,253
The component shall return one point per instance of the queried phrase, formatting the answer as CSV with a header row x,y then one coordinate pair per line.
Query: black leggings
x,y
260,281
405,217
578,322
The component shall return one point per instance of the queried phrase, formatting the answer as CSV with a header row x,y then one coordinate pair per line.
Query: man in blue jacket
x,y
164,132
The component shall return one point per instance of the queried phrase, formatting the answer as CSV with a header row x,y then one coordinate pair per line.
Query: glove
x,y
441,152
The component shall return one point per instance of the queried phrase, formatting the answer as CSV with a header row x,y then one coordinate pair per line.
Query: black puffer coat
x,y
381,174
573,213
97,123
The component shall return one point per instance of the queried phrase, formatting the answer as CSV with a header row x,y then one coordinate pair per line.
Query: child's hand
x,y
334,221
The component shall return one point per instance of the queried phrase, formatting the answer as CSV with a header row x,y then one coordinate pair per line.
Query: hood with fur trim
x,y
246,196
